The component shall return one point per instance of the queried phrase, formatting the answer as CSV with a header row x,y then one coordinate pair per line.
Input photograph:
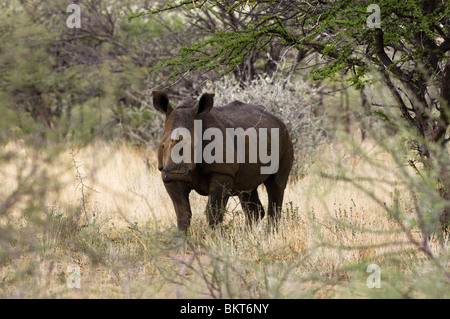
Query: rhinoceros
x,y
221,152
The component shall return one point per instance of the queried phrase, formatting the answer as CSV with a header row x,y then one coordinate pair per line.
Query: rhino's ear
x,y
205,103
161,102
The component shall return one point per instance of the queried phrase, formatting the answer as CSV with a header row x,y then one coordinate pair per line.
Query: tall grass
x,y
121,232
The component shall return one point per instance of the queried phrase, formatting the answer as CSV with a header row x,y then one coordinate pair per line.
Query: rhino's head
x,y
176,149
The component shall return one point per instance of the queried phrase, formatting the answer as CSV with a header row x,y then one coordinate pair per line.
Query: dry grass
x,y
117,224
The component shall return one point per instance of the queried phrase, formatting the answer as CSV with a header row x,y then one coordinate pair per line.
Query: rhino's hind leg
x,y
276,185
252,206
275,191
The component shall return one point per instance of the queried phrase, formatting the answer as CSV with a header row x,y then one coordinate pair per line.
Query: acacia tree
x,y
408,52
63,77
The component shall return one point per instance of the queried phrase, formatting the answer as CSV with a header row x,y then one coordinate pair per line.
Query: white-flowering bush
x,y
292,102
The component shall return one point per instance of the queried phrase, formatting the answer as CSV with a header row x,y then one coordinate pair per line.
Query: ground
x,y
112,227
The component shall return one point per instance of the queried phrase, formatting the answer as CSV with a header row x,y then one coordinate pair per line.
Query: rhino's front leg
x,y
179,193
219,193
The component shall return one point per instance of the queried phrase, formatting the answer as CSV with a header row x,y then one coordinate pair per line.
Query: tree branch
x,y
399,100
379,50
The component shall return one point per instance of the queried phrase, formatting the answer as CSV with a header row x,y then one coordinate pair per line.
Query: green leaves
x,y
223,50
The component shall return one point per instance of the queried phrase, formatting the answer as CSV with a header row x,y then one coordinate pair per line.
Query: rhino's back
x,y
238,114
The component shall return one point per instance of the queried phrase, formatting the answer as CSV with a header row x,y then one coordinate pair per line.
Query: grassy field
x,y
112,220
